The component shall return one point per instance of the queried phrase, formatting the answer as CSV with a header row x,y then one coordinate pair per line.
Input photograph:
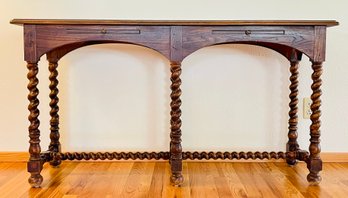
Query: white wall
x,y
116,97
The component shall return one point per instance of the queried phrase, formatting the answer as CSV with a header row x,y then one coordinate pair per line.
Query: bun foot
x,y
291,162
313,179
55,163
35,180
177,179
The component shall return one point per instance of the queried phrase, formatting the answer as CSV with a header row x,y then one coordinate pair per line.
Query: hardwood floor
x,y
151,179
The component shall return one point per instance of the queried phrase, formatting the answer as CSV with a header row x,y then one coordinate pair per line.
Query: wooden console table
x,y
175,40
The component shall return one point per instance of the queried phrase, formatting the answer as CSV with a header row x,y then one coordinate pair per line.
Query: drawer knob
x,y
103,31
247,32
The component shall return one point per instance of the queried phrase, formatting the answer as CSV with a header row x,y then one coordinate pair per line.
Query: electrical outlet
x,y
307,112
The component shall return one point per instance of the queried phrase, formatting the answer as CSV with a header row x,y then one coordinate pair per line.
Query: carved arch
x,y
58,52
288,52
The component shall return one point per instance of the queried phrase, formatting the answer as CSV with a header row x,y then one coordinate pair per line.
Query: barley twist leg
x,y
175,122
292,144
314,163
54,122
35,162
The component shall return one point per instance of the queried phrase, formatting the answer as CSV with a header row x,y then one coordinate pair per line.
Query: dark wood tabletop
x,y
172,22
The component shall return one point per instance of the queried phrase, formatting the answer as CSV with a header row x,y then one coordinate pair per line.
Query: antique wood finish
x,y
175,40
294,37
75,36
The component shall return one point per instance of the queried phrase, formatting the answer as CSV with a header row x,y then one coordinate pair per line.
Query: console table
x,y
175,40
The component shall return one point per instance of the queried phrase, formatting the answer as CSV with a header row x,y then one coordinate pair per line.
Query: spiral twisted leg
x,y
314,163
175,122
292,144
54,122
35,162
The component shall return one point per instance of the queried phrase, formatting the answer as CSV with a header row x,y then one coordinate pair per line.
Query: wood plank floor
x,y
151,179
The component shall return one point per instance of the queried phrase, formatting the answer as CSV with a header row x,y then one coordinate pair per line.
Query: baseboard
x,y
326,157
334,157
14,156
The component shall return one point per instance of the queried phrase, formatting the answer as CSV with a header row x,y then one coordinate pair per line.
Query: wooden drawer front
x,y
74,32
195,37
156,37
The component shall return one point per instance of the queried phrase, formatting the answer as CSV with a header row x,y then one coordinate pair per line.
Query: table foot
x,y
177,179
291,162
55,163
35,180
314,179
291,157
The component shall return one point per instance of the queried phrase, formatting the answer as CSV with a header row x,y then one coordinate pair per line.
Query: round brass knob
x,y
103,31
247,32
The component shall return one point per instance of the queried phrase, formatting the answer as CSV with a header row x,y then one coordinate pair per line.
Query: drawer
x,y
196,37
53,36
74,32
240,32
